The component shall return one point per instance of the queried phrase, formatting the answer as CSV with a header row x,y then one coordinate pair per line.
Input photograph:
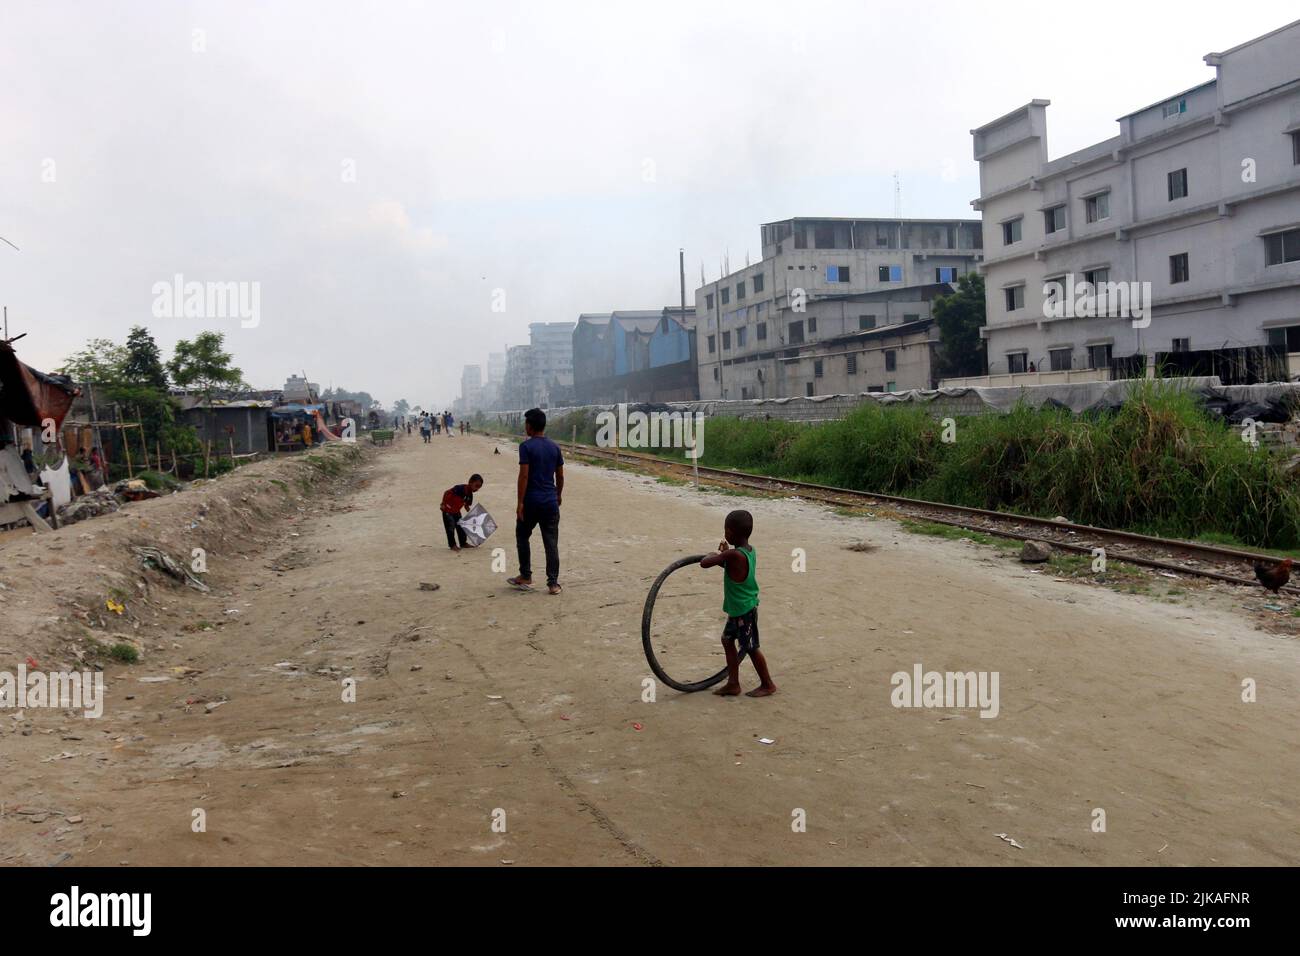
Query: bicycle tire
x,y
648,613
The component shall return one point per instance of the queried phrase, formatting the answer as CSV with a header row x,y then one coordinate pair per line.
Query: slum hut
x,y
288,421
32,407
246,425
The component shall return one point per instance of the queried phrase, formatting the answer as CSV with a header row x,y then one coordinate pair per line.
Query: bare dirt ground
x,y
474,699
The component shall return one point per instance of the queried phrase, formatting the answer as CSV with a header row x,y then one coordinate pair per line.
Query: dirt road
x,y
478,705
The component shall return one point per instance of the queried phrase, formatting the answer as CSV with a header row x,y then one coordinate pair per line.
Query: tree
x,y
204,365
402,408
143,385
960,316
143,364
101,362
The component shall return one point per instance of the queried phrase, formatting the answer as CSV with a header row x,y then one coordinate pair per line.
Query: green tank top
x,y
740,597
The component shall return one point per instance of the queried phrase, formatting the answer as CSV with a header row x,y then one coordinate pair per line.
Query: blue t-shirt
x,y
542,456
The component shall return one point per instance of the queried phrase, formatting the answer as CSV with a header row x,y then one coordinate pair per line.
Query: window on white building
x,y
1178,184
1059,359
1099,356
1015,297
1282,247
1097,208
1054,219
1011,231
1178,269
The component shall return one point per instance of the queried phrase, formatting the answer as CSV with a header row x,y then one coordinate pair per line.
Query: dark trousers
x,y
549,521
453,530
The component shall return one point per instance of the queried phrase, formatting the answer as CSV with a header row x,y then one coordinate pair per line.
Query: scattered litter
x,y
76,819
158,560
65,755
153,680
564,716
114,606
213,705
398,794
426,586
1163,848
183,671
636,726
766,740
1006,839
494,697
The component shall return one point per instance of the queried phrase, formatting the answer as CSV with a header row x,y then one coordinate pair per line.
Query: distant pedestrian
x,y
426,429
540,493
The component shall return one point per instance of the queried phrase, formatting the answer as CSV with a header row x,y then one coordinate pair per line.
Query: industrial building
x,y
760,329
635,356
1196,200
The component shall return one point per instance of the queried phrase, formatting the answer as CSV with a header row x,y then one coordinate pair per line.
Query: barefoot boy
x,y
740,602
454,500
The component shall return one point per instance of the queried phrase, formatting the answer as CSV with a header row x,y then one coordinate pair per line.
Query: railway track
x,y
1167,555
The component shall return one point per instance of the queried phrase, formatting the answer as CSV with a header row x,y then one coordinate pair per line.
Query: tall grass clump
x,y
874,448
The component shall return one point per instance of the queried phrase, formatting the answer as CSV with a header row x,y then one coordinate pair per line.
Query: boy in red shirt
x,y
454,500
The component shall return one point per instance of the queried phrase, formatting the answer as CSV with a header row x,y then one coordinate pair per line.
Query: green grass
x,y
157,481
937,529
1158,465
124,653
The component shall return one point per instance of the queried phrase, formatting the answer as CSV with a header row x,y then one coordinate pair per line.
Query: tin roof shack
x,y
245,424
36,403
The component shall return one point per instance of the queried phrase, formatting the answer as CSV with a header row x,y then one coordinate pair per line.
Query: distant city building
x,y
635,356
471,390
552,362
758,333
298,389
519,387
1198,195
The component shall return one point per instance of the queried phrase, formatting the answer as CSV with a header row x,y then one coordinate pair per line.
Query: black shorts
x,y
743,630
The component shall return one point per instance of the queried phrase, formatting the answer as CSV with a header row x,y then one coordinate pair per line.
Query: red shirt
x,y
455,498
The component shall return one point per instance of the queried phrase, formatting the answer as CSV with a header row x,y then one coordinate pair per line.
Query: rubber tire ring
x,y
647,614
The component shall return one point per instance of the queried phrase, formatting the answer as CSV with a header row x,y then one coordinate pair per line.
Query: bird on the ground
x,y
1274,577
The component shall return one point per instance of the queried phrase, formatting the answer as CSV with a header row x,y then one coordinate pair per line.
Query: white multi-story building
x,y
471,389
1198,195
754,337
496,375
552,345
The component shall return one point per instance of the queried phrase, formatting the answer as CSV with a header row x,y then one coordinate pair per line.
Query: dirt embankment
x,y
67,599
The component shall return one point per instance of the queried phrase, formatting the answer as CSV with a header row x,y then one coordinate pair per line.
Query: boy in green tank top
x,y
740,602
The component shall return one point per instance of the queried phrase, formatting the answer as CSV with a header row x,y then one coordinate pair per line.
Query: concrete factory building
x,y
1196,201
761,331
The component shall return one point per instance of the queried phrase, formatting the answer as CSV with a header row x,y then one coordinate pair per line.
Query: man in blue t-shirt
x,y
541,489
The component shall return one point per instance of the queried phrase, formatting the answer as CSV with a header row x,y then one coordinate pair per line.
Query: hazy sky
x,y
379,169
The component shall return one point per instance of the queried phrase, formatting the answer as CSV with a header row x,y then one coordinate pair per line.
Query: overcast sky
x,y
381,168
